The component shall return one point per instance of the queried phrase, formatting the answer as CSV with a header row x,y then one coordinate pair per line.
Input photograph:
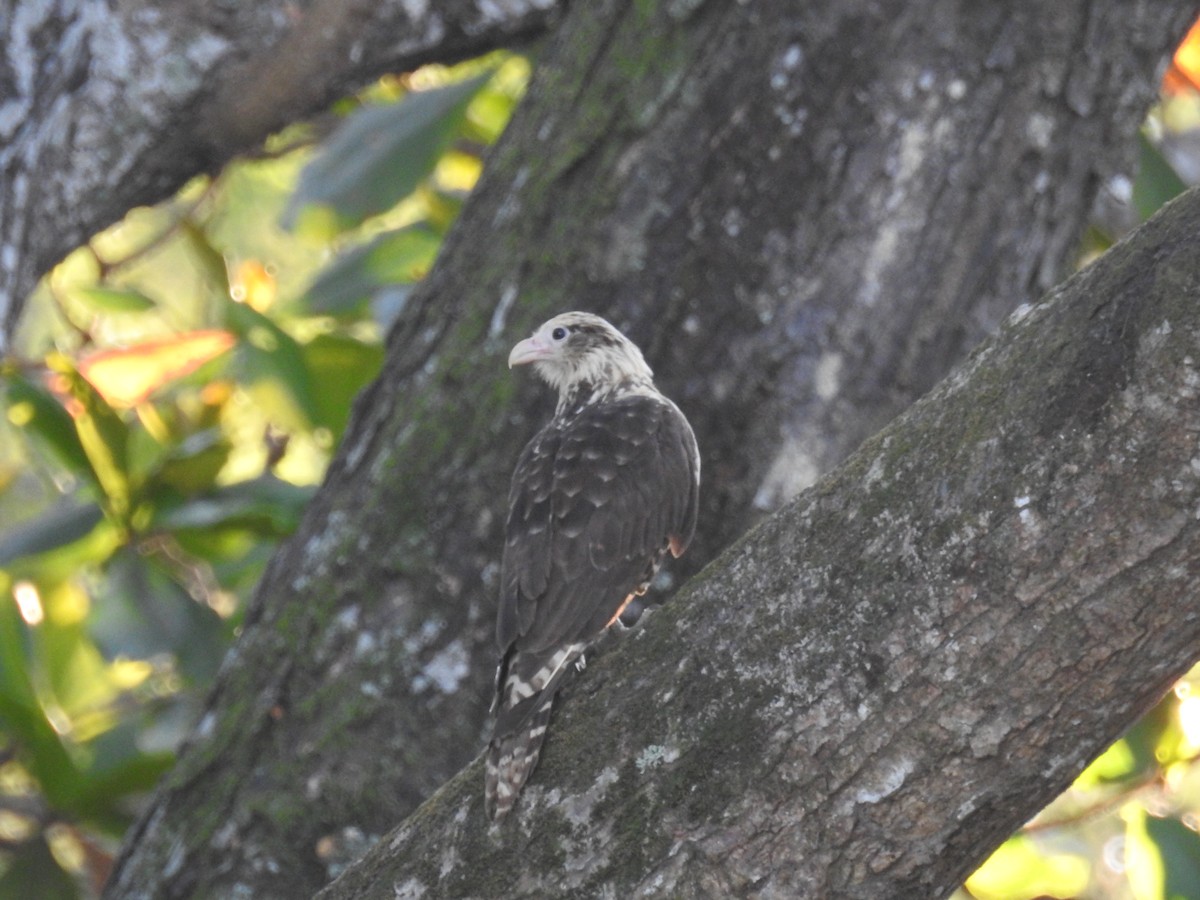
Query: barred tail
x,y
512,758
526,684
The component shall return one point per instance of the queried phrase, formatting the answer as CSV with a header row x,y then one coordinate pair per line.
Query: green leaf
x,y
17,697
71,674
1156,181
1162,858
104,436
395,257
1150,733
271,361
57,528
209,258
380,154
120,768
1180,850
22,716
143,611
114,300
193,465
267,505
493,108
34,872
342,366
34,409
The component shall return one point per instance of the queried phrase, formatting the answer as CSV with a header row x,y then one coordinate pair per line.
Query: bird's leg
x,y
616,617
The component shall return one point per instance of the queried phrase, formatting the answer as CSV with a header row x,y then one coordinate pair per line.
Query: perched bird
x,y
599,496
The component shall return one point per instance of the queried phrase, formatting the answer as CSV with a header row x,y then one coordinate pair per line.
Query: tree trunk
x,y
106,106
871,690
802,212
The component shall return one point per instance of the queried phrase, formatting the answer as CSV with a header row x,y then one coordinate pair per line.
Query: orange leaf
x,y
1184,73
128,376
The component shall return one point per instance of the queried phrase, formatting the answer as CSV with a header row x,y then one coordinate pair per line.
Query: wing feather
x,y
525,569
595,502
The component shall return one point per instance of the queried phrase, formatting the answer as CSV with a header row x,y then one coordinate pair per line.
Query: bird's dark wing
x,y
595,502
525,568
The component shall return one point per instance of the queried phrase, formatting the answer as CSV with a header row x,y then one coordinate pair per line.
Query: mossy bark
x,y
882,681
712,177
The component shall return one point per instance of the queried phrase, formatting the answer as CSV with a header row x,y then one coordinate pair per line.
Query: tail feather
x,y
512,759
526,684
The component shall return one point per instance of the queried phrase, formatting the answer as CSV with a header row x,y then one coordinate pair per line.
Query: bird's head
x,y
578,351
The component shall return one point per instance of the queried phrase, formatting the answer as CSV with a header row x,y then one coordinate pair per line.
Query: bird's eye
x,y
559,333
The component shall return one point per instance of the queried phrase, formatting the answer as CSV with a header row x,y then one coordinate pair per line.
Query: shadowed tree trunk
x,y
804,213
880,683
106,106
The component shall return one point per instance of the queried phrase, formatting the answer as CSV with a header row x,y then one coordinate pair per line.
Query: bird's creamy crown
x,y
583,357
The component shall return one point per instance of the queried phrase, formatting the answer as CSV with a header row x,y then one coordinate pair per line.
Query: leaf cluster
x,y
176,394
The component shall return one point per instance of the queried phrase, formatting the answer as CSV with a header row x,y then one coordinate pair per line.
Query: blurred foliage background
x,y
178,388
176,392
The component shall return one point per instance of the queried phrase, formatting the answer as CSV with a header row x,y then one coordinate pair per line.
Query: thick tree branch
x,y
876,686
104,107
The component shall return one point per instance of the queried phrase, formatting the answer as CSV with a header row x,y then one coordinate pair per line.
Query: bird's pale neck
x,y
581,394
599,376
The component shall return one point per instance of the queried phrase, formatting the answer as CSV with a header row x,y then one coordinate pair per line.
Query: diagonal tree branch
x,y
872,689
107,106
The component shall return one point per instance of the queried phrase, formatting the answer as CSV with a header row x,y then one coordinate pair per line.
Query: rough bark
x,y
802,212
106,106
881,682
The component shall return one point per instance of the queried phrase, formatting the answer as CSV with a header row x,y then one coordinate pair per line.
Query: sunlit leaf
x,y
1189,721
1019,870
395,257
114,300
54,529
104,436
458,171
128,376
381,153
1117,763
491,109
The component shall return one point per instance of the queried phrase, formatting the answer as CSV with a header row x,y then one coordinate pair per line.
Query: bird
x,y
599,496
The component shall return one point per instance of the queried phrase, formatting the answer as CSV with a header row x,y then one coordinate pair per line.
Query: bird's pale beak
x,y
530,350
